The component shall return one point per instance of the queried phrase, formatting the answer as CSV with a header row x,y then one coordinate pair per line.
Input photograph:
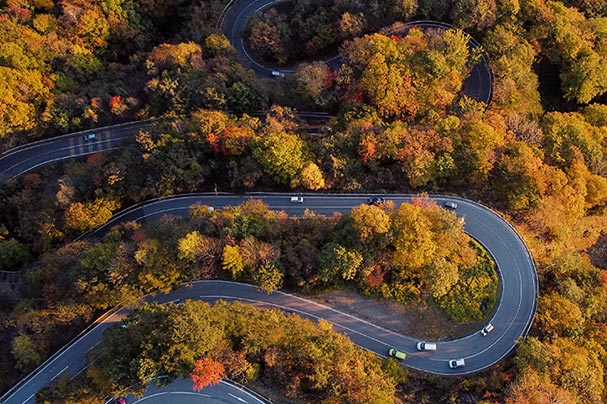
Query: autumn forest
x,y
396,119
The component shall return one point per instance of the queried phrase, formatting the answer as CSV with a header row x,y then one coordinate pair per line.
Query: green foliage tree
x,y
520,177
566,134
474,14
512,57
232,260
13,253
281,155
440,277
337,261
268,277
25,352
575,42
224,332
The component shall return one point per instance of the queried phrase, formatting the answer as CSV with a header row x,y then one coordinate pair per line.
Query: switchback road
x,y
512,316
235,18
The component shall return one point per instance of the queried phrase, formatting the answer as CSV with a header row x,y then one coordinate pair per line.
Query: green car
x,y
397,354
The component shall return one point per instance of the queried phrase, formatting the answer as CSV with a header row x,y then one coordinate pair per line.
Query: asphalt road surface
x,y
25,158
512,317
233,23
180,391
518,282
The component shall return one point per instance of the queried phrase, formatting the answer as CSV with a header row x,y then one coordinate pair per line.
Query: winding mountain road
x,y
235,17
512,316
518,280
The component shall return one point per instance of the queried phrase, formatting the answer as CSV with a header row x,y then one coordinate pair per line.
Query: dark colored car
x,y
376,200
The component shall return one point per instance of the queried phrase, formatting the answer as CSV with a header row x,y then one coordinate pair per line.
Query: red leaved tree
x,y
206,372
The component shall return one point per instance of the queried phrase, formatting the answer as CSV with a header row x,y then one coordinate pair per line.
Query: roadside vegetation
x,y
295,31
402,124
375,248
302,360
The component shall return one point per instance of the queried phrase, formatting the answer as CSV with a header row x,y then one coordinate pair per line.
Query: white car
x,y
457,363
277,73
451,205
487,329
426,346
297,199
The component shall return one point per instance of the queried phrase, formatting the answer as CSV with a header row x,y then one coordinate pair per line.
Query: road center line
x,y
58,374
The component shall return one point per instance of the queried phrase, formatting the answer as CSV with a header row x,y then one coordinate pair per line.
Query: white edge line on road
x,y
242,400
80,371
59,374
97,343
166,393
67,348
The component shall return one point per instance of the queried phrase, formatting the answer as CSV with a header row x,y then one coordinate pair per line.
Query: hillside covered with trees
x,y
402,124
303,360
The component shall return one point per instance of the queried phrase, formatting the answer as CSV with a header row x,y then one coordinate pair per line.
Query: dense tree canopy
x,y
401,124
290,353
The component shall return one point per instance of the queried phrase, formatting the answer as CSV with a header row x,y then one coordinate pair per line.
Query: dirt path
x,y
419,320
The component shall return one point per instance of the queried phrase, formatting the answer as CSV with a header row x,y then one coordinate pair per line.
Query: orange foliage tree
x,y
206,372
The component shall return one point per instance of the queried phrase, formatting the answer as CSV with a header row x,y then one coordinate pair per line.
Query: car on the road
x,y
376,200
277,73
457,363
487,329
450,205
297,199
426,346
395,353
90,136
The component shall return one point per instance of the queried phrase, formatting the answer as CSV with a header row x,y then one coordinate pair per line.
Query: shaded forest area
x,y
537,154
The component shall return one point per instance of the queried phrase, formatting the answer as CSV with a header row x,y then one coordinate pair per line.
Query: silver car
x,y
426,346
451,205
487,329
457,363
